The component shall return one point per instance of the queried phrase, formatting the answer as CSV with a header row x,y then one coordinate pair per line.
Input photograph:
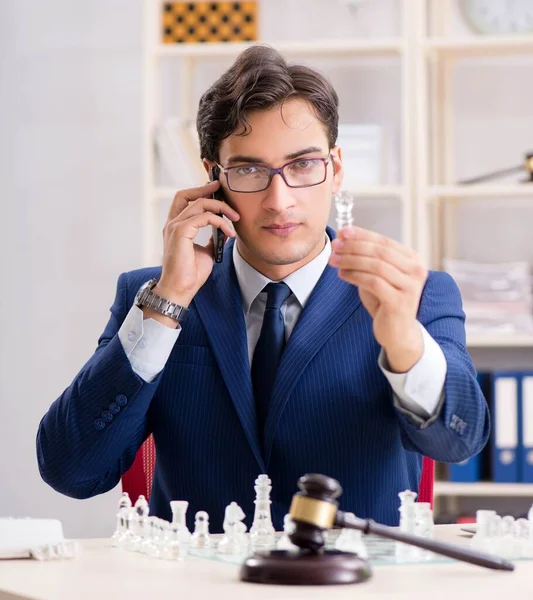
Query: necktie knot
x,y
277,294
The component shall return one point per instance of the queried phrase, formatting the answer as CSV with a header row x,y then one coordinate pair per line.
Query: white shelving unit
x,y
427,162
434,138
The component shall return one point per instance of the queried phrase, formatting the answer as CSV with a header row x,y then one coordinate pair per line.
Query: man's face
x,y
281,226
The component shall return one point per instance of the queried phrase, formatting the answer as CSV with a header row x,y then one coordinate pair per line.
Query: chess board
x,y
193,22
380,552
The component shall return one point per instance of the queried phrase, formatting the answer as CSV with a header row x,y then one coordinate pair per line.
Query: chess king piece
x,y
262,532
314,509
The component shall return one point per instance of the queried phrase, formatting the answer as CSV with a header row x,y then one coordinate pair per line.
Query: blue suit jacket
x,y
332,409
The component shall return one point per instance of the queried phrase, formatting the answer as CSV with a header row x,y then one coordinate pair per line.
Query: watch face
x,y
498,16
148,285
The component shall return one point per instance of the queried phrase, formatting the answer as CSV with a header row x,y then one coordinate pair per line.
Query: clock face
x,y
498,16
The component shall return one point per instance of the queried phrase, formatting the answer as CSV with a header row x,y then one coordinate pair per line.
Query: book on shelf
x,y
178,153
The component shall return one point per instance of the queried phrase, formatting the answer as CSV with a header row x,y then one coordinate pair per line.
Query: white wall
x,y
70,179
70,175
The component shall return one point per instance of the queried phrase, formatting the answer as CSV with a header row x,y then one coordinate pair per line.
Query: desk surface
x,y
102,572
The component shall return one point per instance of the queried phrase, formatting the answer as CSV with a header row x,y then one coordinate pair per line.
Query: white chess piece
x,y
123,506
234,540
424,527
177,537
482,539
284,542
351,540
262,532
138,523
343,207
405,552
508,545
201,539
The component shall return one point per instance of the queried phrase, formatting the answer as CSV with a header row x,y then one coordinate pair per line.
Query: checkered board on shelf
x,y
193,22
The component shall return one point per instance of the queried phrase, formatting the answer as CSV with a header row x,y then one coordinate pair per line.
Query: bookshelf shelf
x,y
479,191
480,46
326,47
482,488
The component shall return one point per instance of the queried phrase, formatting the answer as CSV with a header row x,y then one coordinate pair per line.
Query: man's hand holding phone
x,y
187,265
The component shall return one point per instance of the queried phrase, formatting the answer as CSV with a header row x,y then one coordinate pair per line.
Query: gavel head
x,y
313,510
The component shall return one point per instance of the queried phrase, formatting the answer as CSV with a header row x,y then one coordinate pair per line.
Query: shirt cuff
x,y
147,343
421,389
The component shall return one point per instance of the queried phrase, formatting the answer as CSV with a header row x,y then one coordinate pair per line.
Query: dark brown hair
x,y
261,79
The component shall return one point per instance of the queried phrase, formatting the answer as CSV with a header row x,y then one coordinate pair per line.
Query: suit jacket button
x,y
107,416
114,408
121,400
99,424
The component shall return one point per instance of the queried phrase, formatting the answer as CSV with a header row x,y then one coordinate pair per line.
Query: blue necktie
x,y
270,346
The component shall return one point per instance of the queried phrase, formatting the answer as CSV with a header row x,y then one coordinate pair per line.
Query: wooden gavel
x,y
314,509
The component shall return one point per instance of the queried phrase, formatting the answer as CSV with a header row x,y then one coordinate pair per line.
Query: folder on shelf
x,y
469,470
526,454
505,427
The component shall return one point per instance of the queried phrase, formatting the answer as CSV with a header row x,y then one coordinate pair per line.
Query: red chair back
x,y
425,488
138,479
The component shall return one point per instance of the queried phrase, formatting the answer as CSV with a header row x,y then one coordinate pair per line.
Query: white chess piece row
x,y
136,531
504,536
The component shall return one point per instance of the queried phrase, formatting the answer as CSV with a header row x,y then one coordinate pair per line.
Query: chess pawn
x,y
284,542
200,539
234,540
138,523
123,505
507,542
351,540
522,534
151,527
262,532
154,550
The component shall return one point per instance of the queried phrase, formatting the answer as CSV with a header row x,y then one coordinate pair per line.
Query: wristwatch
x,y
145,297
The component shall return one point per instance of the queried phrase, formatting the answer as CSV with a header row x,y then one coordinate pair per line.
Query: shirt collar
x,y
301,282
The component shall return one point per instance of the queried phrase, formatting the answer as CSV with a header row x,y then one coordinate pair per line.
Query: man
x,y
297,353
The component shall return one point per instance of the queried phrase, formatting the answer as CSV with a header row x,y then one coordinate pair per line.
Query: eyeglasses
x,y
300,173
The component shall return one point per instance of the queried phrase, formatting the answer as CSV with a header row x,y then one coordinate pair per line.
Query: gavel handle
x,y
368,526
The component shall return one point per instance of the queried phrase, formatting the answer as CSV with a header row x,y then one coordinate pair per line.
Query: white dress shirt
x,y
148,343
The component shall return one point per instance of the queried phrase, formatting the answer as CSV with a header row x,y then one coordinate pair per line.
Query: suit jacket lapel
x,y
219,305
330,304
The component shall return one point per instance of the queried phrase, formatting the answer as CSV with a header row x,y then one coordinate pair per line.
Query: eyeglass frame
x,y
279,171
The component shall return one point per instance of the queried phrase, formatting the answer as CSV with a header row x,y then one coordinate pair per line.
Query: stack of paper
x,y
497,297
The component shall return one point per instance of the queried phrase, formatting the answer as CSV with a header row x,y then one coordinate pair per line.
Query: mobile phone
x,y
219,238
